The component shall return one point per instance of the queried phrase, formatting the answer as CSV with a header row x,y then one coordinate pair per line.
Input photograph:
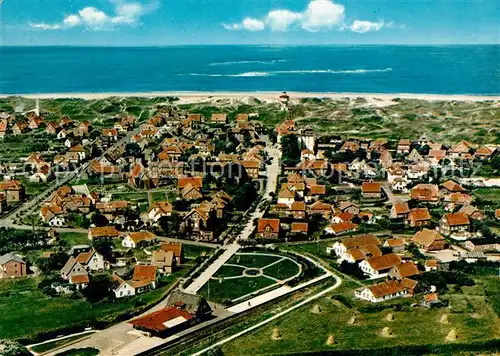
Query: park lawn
x,y
33,188
229,271
253,261
304,331
26,311
75,238
230,289
489,194
282,270
134,197
159,196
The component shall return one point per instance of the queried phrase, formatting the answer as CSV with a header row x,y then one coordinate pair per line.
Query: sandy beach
x,y
263,96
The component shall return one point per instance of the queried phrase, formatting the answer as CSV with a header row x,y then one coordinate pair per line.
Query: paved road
x,y
272,177
391,196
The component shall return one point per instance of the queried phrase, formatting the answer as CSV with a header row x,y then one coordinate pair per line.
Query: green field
x,y
26,311
282,270
490,194
305,331
253,261
192,251
229,271
88,351
230,289
75,238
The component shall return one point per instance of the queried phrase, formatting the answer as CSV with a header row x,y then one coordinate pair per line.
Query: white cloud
x,y
281,20
45,26
125,13
72,20
359,26
321,15
249,24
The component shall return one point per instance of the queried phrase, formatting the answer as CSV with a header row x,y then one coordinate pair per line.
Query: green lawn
x,y
26,311
230,289
255,261
193,251
75,238
229,271
282,270
490,194
34,188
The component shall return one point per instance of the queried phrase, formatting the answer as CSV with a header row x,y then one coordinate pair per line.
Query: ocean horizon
x,y
386,69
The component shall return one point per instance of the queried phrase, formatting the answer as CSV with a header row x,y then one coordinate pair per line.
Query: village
x,y
223,213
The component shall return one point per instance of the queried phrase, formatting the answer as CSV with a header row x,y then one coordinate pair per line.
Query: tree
x,y
244,196
495,162
104,247
53,263
99,220
132,149
170,224
98,288
352,269
13,348
290,149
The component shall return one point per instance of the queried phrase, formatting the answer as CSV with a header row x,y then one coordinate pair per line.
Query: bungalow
x,y
371,190
52,214
4,126
419,217
415,157
349,207
241,117
347,243
144,279
110,135
36,122
429,240
80,281
251,168
341,228
108,232
191,193
483,153
268,228
19,128
159,209
91,260
71,267
483,245
386,290
400,211
451,187
319,207
82,129
460,149
195,182
379,266
404,270
396,244
435,156
356,255
299,228
12,266
138,239
455,225
182,311
431,265
425,193
220,118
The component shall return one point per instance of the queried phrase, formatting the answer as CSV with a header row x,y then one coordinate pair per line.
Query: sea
x,y
467,69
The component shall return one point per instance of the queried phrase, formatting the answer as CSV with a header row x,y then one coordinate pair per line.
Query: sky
x,y
272,22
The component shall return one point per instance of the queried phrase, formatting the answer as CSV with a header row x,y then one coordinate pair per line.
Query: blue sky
x,y
165,22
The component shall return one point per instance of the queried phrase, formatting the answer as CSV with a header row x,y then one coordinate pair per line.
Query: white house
x,y
285,196
122,288
91,260
379,266
138,239
386,290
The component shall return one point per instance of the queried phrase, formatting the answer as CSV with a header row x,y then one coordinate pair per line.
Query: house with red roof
x,y
268,228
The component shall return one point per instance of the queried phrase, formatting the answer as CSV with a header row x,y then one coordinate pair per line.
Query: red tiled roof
x,y
157,321
195,182
371,187
300,227
274,224
457,219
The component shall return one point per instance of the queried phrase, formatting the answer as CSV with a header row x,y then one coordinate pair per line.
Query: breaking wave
x,y
271,61
278,72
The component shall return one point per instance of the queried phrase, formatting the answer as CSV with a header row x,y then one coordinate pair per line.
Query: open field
x,y
490,194
58,343
305,331
26,311
253,261
75,238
